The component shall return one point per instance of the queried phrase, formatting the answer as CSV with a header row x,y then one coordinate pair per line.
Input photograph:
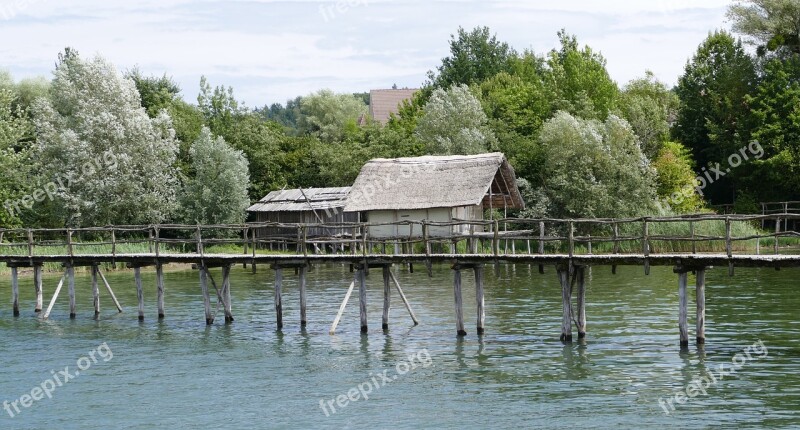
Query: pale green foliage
x,y
650,107
94,131
594,169
13,158
217,194
453,122
774,25
219,107
329,116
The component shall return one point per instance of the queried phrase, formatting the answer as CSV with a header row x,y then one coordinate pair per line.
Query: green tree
x,y
675,179
217,193
593,169
219,107
474,57
579,81
650,108
111,162
14,127
330,116
714,120
453,122
772,25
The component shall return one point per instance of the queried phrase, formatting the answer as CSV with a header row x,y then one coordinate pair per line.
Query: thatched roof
x,y
435,182
301,200
382,103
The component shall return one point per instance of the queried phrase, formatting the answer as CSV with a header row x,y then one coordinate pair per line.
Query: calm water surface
x,y
181,374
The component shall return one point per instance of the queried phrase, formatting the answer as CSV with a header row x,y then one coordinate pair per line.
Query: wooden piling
x,y
71,284
137,274
341,308
226,293
303,317
701,306
206,298
682,323
580,273
362,297
110,291
387,296
566,306
403,298
278,299
458,301
15,290
37,284
55,296
479,299
95,292
160,290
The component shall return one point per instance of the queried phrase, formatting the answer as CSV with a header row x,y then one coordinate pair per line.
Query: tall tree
x,y
474,57
14,162
579,81
113,164
650,108
453,122
714,119
330,116
594,169
772,25
217,193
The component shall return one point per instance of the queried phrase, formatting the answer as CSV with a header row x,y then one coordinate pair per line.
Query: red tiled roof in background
x,y
384,102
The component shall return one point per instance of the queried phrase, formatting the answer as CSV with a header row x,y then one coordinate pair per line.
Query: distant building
x,y
383,103
432,188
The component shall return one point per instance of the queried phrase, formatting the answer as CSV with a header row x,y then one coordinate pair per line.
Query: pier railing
x,y
729,234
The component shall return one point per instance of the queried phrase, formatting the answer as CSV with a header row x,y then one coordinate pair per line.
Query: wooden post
x,y
777,234
459,301
541,244
362,297
30,243
55,296
580,273
37,284
479,299
71,286
110,292
404,299
160,289
226,293
206,298
303,318
566,306
278,299
682,324
646,246
387,296
156,235
571,238
616,246
137,274
70,250
341,308
694,244
95,292
15,290
701,305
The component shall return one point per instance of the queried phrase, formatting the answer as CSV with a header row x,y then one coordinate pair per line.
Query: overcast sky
x,y
270,51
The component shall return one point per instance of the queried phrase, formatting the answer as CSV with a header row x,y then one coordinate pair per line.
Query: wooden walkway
x,y
689,244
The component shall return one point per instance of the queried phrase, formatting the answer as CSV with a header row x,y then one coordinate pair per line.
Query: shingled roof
x,y
297,200
435,182
382,103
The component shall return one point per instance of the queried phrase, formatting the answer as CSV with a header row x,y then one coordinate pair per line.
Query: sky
x,y
270,51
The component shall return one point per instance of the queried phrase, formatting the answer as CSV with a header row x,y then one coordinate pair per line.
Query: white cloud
x,y
272,50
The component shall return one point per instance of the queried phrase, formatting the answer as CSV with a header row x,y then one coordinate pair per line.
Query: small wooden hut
x,y
432,188
302,206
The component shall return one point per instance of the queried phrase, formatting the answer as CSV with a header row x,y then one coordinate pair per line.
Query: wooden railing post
x,y
113,245
646,246
496,239
155,238
425,236
30,243
728,244
69,242
571,237
304,238
541,237
199,238
694,242
777,233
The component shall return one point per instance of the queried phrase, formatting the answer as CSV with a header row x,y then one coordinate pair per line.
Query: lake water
x,y
179,373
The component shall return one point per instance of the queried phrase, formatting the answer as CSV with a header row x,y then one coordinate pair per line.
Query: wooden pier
x,y
570,246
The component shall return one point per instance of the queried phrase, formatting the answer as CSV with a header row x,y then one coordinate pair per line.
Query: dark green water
x,y
181,374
